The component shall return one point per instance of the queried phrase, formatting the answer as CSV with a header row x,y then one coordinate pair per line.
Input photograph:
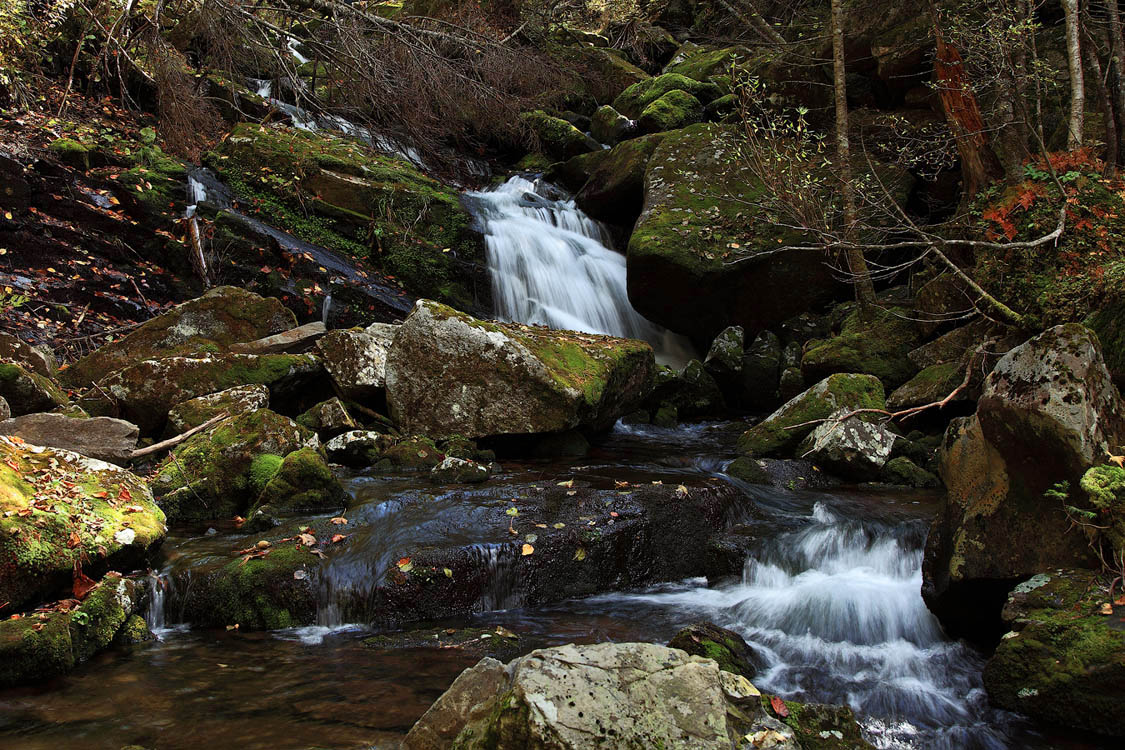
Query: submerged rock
x,y
781,432
1049,412
212,323
59,510
1063,660
102,438
448,373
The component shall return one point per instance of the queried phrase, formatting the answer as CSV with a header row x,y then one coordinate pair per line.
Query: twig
x,y
173,441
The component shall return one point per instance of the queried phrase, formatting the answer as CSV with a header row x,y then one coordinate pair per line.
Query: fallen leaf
x,y
526,550
681,491
448,572
404,565
83,584
340,521
306,539
337,538
1107,609
74,540
580,554
567,483
779,707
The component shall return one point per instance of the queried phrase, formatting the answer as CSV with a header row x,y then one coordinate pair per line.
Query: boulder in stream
x,y
850,446
1049,411
357,362
449,373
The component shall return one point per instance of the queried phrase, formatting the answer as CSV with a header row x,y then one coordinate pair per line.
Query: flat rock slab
x,y
294,341
103,438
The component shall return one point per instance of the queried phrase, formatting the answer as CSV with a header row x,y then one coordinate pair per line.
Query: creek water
x,y
829,601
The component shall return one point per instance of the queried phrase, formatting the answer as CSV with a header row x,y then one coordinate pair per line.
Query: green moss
x,y
1105,488
262,470
303,481
875,344
901,470
702,63
557,137
676,109
634,99
28,390
71,152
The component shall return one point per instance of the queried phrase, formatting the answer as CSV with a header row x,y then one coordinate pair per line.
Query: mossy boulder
x,y
724,358
219,473
36,359
672,111
728,649
1108,322
338,193
557,137
42,645
328,419
679,253
609,126
637,97
853,447
818,726
780,433
1104,487
358,448
692,392
1063,661
876,342
356,361
901,470
302,482
453,470
1048,413
232,402
146,392
71,152
613,186
701,63
449,373
58,510
26,391
221,317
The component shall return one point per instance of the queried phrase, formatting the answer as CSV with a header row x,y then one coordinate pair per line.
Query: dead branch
x,y
174,441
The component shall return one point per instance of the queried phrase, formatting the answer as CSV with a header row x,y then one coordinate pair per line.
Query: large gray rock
x,y
356,361
448,373
1048,412
295,340
849,446
358,448
628,695
103,438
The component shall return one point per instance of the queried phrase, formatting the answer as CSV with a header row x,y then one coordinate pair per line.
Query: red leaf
x,y
779,707
82,583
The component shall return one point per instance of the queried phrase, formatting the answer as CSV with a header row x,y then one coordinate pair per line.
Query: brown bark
x,y
979,163
857,264
1117,74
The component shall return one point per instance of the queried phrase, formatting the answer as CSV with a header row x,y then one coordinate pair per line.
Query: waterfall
x,y
834,613
553,265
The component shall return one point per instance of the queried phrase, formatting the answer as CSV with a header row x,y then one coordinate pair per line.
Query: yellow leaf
x,y
526,550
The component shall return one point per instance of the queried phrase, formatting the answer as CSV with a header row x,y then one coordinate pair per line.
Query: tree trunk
x,y
979,163
1104,98
1077,84
857,264
1116,74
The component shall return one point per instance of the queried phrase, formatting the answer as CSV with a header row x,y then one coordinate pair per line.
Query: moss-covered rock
x,y
219,473
680,250
59,509
453,470
414,453
1105,489
146,392
674,110
901,470
358,448
26,391
328,419
693,391
337,193
637,97
557,137
760,373
781,432
1063,661
877,343
71,153
221,317
612,182
729,649
302,482
701,63
41,645
356,361
232,402
36,359
448,373
818,726
609,126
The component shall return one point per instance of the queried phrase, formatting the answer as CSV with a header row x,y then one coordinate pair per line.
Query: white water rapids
x,y
553,265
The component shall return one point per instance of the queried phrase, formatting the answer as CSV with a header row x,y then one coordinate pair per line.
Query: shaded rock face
x,y
727,648
781,432
624,695
1048,412
683,241
221,317
40,546
761,372
448,373
612,186
13,349
358,448
103,438
878,345
328,419
1063,660
26,391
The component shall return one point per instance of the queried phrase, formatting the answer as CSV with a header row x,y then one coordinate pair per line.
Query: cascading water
x,y
552,265
834,613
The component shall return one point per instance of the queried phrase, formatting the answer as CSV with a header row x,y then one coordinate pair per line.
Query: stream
x,y
830,604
